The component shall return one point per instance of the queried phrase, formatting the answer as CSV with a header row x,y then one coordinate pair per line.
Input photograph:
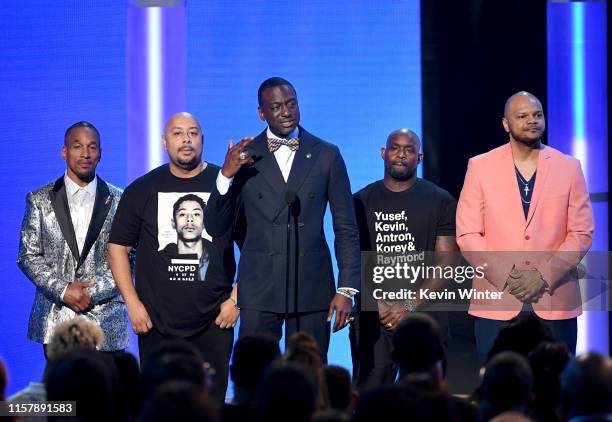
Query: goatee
x,y
189,164
526,140
400,176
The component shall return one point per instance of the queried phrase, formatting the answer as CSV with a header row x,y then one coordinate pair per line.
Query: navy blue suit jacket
x,y
257,201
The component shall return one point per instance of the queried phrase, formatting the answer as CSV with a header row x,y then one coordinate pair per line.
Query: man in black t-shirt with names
x,y
399,216
183,280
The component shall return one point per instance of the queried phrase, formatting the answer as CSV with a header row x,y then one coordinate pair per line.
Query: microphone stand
x,y
295,211
289,198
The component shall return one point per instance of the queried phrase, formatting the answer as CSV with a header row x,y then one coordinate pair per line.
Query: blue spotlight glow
x,y
577,110
578,82
154,86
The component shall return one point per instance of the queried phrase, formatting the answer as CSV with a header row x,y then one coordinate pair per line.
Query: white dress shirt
x,y
284,156
81,202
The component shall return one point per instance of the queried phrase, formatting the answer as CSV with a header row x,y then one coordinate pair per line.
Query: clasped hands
x,y
528,286
76,295
390,314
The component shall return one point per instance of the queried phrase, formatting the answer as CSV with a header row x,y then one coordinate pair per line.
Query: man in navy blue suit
x,y
277,186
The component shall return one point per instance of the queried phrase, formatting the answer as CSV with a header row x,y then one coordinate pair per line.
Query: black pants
x,y
313,323
372,347
214,344
487,330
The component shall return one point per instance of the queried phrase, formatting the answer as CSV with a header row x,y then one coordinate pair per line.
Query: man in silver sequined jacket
x,y
63,247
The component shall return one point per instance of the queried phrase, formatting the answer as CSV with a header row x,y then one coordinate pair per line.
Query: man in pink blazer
x,y
524,214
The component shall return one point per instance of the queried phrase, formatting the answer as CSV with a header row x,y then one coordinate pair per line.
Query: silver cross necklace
x,y
524,182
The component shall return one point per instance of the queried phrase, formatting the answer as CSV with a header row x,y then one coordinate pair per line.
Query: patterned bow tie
x,y
274,144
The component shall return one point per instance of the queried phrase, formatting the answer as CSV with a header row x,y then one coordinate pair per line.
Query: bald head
x,y
182,116
520,97
406,134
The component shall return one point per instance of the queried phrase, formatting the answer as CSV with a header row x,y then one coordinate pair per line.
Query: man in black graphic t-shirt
x,y
183,276
398,216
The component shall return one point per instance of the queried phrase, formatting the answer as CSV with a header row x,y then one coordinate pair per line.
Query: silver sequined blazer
x,y
49,257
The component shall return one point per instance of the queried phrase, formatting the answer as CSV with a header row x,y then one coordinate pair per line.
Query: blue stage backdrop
x,y
355,65
61,62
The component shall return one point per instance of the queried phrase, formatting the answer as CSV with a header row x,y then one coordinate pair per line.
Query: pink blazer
x,y
555,236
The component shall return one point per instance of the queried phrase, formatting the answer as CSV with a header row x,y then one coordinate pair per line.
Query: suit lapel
x,y
59,201
101,207
302,162
510,187
540,182
266,164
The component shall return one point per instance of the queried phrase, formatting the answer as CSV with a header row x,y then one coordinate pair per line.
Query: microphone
x,y
289,198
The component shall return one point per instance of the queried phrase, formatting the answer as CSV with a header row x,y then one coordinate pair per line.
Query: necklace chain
x,y
526,183
522,179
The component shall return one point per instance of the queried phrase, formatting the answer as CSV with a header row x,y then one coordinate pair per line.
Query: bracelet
x,y
347,292
234,301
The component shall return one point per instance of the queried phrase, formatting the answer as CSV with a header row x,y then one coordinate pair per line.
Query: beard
x,y
526,139
189,164
402,174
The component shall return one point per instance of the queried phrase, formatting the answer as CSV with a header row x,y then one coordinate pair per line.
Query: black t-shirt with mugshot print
x,y
182,274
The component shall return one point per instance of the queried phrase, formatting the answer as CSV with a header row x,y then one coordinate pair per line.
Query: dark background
x,y
475,54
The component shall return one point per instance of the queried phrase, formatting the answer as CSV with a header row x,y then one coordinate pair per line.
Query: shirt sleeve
x,y
446,217
223,183
128,221
64,293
